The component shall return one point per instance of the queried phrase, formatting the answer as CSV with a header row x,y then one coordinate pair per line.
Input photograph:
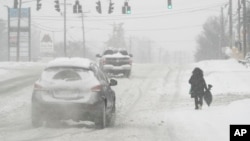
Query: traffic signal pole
x,y
244,28
239,25
230,24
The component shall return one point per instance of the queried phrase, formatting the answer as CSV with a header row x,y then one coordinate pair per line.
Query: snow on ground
x,y
10,70
152,105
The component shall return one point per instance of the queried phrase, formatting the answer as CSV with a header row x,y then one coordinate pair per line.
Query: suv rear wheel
x,y
102,121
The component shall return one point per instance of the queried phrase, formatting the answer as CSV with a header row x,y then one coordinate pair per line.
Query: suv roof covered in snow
x,y
70,62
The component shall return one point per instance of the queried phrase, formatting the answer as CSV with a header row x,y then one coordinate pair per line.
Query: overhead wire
x,y
139,16
129,17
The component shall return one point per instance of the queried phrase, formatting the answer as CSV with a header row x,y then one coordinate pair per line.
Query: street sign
x,y
24,51
14,12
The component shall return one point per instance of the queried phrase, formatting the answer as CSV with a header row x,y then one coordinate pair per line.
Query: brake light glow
x,y
96,88
37,86
103,61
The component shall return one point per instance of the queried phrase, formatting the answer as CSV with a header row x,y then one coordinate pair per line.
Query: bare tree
x,y
209,41
117,39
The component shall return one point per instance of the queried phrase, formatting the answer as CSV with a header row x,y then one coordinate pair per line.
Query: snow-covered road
x,y
153,105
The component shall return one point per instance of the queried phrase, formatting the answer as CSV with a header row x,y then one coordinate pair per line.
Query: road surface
x,y
152,105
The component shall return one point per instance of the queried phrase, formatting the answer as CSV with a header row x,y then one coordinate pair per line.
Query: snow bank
x,y
221,65
226,76
16,65
238,112
10,70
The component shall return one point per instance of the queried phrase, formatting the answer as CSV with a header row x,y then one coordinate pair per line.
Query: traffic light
x,y
77,8
16,4
77,2
38,5
74,9
169,4
126,9
57,5
99,7
111,7
123,10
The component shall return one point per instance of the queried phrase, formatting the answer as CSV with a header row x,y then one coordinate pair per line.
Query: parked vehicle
x,y
116,61
73,88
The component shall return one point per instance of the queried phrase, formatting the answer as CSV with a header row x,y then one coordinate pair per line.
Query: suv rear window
x,y
67,74
123,52
108,52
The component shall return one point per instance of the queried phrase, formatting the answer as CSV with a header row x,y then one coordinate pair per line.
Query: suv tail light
x,y
103,61
96,88
37,86
130,62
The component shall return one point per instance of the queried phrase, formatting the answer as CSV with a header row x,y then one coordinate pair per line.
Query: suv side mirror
x,y
113,82
131,55
98,55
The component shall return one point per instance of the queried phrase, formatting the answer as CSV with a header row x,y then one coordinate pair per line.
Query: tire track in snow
x,y
145,83
171,98
171,88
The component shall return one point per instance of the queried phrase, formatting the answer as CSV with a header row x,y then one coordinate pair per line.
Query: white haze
x,y
168,29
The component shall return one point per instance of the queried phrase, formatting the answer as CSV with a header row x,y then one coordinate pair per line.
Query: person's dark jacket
x,y
198,84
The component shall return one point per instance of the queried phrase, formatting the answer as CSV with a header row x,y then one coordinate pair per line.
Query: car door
x,y
109,93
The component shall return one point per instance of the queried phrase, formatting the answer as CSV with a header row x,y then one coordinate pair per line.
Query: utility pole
x,y
222,33
149,51
65,38
130,45
239,33
244,28
230,24
8,33
83,37
18,31
160,50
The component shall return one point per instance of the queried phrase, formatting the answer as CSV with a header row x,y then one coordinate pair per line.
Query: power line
x,y
139,16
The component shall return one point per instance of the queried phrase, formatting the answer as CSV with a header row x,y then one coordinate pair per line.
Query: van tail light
x,y
97,88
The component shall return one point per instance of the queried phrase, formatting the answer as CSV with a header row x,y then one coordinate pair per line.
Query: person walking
x,y
198,87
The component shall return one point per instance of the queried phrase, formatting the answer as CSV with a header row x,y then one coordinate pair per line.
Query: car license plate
x,y
66,94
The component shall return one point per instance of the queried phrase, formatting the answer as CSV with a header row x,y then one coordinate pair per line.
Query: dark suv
x,y
73,88
116,61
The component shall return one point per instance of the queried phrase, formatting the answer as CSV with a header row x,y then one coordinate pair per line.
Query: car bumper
x,y
116,68
68,110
